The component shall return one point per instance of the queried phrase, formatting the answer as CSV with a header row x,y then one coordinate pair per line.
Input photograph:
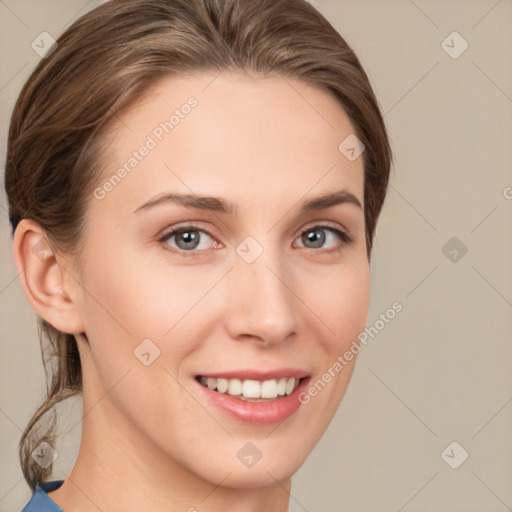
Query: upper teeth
x,y
252,388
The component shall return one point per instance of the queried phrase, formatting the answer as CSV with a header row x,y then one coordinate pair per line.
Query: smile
x,y
251,390
260,402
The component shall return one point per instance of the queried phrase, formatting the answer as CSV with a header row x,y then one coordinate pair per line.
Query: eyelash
x,y
345,238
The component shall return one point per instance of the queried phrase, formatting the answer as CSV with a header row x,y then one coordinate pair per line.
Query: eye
x,y
314,237
187,239
190,239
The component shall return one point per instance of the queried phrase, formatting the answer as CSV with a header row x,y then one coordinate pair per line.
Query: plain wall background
x,y
440,370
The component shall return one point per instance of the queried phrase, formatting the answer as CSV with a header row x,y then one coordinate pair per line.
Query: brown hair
x,y
103,63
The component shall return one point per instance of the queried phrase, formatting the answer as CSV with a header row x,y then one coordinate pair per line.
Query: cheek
x,y
342,306
341,302
128,303
137,299
356,299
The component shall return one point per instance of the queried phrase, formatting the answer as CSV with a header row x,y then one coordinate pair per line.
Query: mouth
x,y
252,390
255,396
260,398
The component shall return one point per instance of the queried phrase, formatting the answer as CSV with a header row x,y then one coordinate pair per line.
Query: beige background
x,y
440,370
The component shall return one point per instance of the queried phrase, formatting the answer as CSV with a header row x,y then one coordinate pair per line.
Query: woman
x,y
193,189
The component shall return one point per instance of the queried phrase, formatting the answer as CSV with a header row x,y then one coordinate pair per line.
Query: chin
x,y
258,478
275,469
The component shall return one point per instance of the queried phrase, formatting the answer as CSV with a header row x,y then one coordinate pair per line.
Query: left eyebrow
x,y
340,197
220,205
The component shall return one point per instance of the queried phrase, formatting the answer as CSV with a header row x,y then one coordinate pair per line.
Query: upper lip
x,y
254,374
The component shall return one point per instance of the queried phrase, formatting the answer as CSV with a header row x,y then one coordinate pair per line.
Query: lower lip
x,y
258,413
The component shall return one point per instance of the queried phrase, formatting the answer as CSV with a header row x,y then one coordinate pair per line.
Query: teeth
x,y
269,389
252,388
281,387
234,387
290,384
222,385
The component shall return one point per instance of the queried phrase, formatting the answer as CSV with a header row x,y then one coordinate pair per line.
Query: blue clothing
x,y
40,501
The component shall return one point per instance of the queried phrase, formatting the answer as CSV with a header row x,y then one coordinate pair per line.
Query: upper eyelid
x,y
172,230
309,225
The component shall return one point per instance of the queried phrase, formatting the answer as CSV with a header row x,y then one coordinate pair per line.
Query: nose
x,y
261,304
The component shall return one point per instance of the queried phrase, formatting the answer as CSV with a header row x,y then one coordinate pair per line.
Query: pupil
x,y
189,238
317,237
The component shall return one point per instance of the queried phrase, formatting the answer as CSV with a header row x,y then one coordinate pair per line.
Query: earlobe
x,y
42,275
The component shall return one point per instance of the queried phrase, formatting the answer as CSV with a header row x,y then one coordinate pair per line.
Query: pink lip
x,y
258,413
278,373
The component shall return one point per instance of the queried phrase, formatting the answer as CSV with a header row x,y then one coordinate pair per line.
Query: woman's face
x,y
257,287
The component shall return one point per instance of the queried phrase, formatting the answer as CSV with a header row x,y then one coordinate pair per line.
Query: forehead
x,y
230,134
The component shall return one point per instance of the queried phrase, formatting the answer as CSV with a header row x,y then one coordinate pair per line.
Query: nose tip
x,y
262,305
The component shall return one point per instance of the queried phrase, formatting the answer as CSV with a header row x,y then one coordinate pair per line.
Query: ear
x,y
45,278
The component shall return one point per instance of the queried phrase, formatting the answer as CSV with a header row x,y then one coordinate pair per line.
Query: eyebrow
x,y
220,205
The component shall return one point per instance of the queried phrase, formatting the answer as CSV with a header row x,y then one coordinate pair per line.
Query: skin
x,y
265,144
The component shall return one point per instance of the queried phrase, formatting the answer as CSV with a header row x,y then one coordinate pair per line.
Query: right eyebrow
x,y
216,204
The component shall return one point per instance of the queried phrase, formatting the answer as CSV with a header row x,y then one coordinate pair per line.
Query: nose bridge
x,y
262,303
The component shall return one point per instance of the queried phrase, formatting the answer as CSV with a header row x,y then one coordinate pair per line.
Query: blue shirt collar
x,y
40,501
